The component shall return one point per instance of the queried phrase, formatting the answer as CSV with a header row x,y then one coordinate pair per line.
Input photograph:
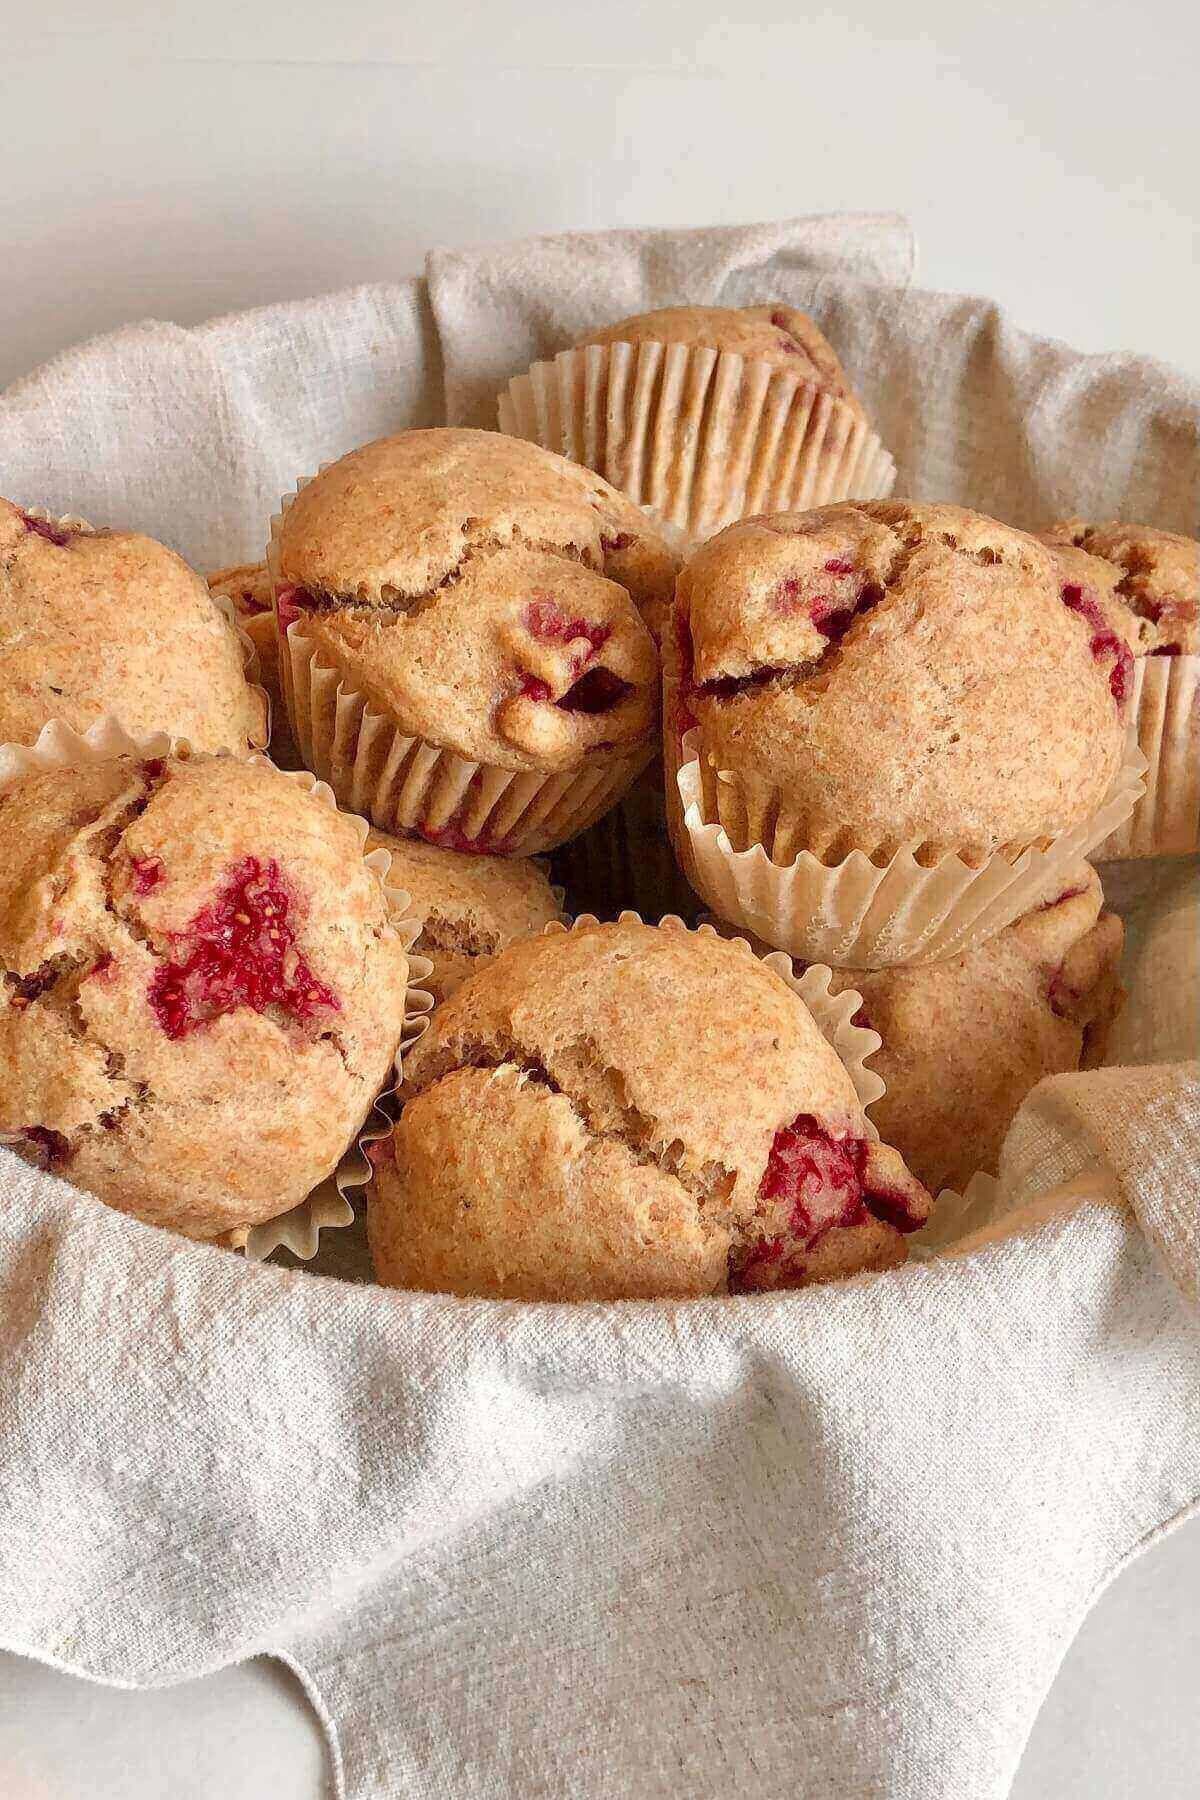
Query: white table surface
x,y
1120,1723
179,162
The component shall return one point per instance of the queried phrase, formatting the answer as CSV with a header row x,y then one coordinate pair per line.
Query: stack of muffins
x,y
852,752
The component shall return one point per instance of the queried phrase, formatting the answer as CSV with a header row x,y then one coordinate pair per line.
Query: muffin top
x,y
96,622
626,1110
1152,576
965,1040
483,593
776,334
469,906
202,988
899,673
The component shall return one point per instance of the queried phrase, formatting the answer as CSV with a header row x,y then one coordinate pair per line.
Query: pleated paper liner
x,y
328,1206
857,914
406,784
258,630
700,437
625,859
955,1217
1165,710
251,662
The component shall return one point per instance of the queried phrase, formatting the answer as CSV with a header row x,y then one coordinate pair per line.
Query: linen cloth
x,y
826,1544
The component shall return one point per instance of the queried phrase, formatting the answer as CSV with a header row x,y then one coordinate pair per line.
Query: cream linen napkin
x,y
833,1543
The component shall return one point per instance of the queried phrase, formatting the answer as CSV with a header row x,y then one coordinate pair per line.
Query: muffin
x,y
108,622
779,335
902,684
626,1111
965,1040
1146,584
466,656
706,413
469,907
247,586
203,989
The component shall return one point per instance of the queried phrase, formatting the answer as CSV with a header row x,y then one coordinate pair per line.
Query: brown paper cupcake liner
x,y
700,437
625,859
58,746
859,914
1165,715
410,786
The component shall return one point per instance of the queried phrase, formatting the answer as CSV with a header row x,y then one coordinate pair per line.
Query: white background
x,y
177,162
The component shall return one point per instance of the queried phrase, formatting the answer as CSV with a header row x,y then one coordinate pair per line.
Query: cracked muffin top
x,y
776,334
95,622
964,1041
887,673
1148,580
470,907
631,1110
484,594
202,989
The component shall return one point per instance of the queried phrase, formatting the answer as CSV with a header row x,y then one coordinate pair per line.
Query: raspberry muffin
x,y
1154,576
466,655
469,907
779,335
109,622
1145,584
965,1040
626,1111
247,586
706,413
203,990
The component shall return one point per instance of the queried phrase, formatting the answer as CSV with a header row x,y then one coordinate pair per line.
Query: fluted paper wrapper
x,y
699,436
857,914
408,785
1166,722
58,746
625,859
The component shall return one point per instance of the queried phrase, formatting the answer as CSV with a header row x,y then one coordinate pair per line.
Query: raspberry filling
x,y
596,690
51,1149
240,951
147,874
291,603
453,837
822,1181
1104,641
44,528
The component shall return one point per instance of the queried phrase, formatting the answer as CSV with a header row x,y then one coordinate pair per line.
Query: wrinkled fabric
x,y
833,1543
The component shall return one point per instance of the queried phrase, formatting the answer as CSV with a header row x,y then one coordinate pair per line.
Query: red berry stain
x,y
787,341
1104,642
533,688
291,603
382,1150
53,534
1166,650
453,837
619,540
839,565
862,1019
148,873
1061,899
1060,995
239,951
154,768
822,1181
547,622
51,1148
102,968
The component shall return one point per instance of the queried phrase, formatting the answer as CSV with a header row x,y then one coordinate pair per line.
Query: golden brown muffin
x,y
964,1041
202,989
626,1111
97,622
780,335
885,673
469,906
1152,576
